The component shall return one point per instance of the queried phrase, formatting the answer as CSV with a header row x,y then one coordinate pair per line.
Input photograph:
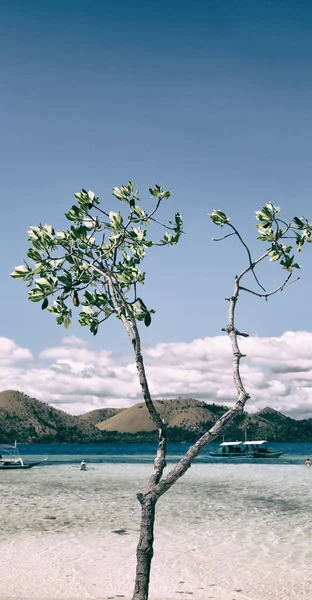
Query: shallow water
x,y
294,453
220,529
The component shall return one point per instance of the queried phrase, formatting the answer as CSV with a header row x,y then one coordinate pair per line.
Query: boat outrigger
x,y
247,449
10,458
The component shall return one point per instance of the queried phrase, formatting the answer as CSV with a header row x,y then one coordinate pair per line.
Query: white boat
x,y
247,449
10,458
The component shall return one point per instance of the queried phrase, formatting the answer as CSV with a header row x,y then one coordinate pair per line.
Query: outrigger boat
x,y
247,449
10,458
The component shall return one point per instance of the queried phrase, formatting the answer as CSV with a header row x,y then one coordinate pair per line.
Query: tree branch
x,y
251,263
184,464
160,458
252,266
223,238
130,325
280,288
186,461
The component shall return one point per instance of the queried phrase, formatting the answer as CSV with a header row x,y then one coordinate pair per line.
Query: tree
x,y
95,264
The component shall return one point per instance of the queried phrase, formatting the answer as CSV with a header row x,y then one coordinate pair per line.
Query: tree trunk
x,y
145,549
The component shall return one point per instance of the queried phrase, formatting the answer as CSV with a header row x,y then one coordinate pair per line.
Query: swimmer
x,y
308,463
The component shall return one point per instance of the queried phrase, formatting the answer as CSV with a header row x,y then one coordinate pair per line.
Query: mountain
x,y
26,419
184,413
187,419
99,415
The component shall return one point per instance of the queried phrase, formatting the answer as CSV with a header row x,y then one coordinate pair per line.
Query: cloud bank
x,y
277,372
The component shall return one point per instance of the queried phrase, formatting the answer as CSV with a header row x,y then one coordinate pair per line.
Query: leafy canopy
x,y
74,267
275,231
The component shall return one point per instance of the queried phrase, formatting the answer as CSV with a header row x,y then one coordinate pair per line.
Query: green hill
x,y
99,415
187,419
26,419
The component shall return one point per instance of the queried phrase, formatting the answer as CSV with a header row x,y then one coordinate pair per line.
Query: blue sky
x,y
211,100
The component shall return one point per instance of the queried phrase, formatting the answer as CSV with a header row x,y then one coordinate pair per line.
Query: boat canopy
x,y
255,443
231,443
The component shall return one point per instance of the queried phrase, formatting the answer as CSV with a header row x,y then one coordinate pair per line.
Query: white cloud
x,y
73,340
11,353
78,355
277,372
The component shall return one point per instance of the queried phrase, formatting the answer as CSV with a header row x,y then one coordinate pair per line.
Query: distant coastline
x,y
29,420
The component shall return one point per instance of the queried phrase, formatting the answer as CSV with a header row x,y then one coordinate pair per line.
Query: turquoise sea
x,y
294,452
226,531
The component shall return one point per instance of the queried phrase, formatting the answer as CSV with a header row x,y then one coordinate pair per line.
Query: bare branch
x,y
163,225
130,325
223,238
252,266
287,225
186,461
100,210
155,209
251,263
279,289
184,464
160,458
246,335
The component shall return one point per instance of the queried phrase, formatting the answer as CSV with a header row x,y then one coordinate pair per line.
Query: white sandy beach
x,y
225,532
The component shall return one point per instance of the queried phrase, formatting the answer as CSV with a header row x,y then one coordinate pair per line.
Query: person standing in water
x,y
308,463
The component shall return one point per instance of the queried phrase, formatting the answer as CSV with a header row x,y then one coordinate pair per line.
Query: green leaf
x,y
141,304
89,297
116,219
21,269
267,213
138,211
123,192
298,223
219,218
69,259
266,238
74,214
44,282
87,310
299,241
34,254
274,255
66,279
117,193
76,300
36,295
49,229
147,319
67,322
45,303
